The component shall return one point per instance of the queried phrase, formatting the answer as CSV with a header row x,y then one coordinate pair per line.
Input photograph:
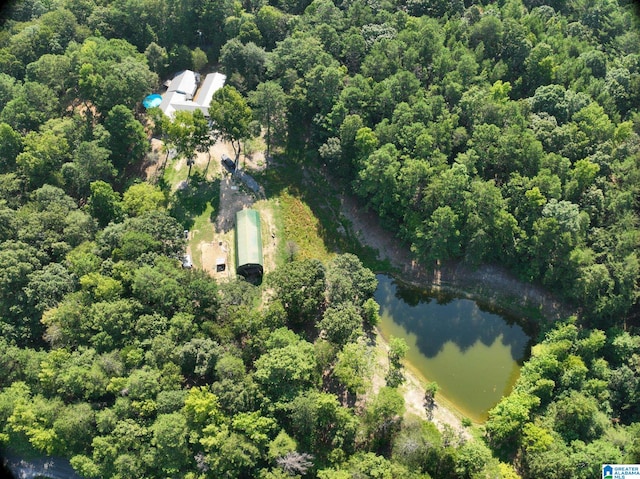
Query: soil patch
x,y
488,284
153,161
442,414
215,240
234,196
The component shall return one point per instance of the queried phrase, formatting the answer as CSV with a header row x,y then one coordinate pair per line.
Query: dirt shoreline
x,y
487,284
442,414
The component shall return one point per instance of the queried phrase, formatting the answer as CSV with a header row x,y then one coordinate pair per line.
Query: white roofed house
x,y
183,92
212,83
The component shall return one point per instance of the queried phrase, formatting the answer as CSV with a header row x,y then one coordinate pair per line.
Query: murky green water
x,y
474,355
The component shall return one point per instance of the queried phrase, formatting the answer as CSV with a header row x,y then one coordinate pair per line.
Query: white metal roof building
x,y
183,93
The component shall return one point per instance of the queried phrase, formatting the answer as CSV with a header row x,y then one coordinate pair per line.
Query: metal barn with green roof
x,y
249,262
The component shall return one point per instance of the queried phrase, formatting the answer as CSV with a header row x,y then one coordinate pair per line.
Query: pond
x,y
472,353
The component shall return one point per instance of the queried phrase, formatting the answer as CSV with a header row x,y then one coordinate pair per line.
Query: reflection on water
x,y
474,355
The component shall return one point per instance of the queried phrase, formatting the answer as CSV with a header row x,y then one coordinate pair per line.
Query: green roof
x,y
248,242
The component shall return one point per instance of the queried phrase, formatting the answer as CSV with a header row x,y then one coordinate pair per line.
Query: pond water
x,y
472,353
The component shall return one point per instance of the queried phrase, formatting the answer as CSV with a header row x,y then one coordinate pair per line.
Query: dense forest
x,y
504,132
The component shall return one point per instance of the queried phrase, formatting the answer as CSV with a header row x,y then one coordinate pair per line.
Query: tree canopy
x,y
503,133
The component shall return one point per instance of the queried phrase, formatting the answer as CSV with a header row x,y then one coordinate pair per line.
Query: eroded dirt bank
x,y
489,284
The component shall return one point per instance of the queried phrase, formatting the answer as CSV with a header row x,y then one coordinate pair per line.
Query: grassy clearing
x,y
303,232
310,207
173,176
201,231
304,204
194,207
272,224
278,220
200,200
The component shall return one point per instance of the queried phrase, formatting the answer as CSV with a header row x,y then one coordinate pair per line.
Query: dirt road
x,y
234,196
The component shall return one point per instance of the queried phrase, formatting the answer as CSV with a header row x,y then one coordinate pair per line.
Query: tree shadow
x,y
439,319
192,200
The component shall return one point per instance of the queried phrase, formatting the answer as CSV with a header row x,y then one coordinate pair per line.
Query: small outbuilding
x,y
249,261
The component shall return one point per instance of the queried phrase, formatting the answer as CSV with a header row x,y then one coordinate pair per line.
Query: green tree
x,y
439,238
52,222
17,260
272,24
354,366
199,59
33,420
231,117
32,106
90,163
299,52
354,50
255,427
189,132
142,198
121,451
507,419
349,281
398,349
48,286
125,83
321,425
157,58
269,103
230,454
300,285
158,288
74,427
111,323
199,358
341,324
369,465
8,87
53,71
100,287
431,389
472,457
170,436
43,155
371,312
281,445
7,222
418,446
243,63
382,417
594,123
166,233
577,417
10,147
105,205
377,181
127,141
201,408
283,371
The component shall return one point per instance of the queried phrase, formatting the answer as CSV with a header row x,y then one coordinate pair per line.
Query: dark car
x,y
228,163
